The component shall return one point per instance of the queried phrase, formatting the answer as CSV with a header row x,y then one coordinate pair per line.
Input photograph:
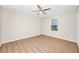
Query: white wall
x,y
66,26
78,28
17,25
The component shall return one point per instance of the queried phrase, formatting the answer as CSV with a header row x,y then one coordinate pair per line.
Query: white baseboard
x,y
62,38
12,40
33,36
3,42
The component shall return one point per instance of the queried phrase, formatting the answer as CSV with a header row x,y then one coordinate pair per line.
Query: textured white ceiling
x,y
54,9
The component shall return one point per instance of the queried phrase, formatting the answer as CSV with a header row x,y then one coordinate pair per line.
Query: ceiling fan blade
x,y
44,12
46,9
39,7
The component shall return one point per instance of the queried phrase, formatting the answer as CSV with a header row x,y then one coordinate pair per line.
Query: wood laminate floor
x,y
39,44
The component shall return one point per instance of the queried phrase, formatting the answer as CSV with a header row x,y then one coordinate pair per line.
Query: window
x,y
54,24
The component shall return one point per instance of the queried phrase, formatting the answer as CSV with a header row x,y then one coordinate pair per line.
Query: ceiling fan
x,y
41,10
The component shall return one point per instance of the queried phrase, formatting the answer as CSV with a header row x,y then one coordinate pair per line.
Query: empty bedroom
x,y
39,28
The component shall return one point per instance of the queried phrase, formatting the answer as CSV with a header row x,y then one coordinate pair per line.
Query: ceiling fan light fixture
x,y
40,12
